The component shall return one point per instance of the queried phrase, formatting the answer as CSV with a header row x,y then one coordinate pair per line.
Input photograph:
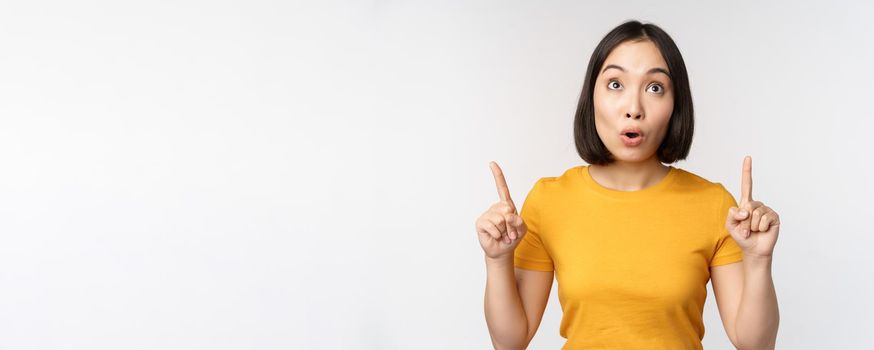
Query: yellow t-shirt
x,y
632,266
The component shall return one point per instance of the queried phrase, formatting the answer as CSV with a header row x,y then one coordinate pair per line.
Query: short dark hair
x,y
678,139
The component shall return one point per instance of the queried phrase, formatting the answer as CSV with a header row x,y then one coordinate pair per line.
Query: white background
x,y
274,175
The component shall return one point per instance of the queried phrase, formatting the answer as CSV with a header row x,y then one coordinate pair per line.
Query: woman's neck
x,y
629,176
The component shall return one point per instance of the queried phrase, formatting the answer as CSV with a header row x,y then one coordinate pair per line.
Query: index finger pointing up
x,y
503,190
746,185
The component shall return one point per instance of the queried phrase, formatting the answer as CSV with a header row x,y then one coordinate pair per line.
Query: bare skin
x,y
629,93
515,299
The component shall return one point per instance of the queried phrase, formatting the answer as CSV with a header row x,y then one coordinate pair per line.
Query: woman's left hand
x,y
756,234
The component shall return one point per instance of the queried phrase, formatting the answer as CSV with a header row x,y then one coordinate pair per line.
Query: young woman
x,y
632,242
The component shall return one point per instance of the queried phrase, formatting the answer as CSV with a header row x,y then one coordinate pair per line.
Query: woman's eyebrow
x,y
651,71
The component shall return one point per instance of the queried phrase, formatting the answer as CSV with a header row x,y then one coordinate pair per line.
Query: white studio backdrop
x,y
306,175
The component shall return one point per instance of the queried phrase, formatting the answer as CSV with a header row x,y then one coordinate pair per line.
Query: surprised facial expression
x,y
633,100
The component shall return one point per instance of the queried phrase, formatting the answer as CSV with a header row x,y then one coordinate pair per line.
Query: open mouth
x,y
632,136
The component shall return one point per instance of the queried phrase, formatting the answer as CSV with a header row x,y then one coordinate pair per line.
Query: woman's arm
x,y
515,298
747,286
755,227
758,316
514,302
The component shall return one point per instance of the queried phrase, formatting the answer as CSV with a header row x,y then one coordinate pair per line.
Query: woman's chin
x,y
632,155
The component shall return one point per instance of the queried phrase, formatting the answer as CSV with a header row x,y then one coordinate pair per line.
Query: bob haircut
x,y
678,139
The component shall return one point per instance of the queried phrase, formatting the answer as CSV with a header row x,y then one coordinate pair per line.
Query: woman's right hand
x,y
500,228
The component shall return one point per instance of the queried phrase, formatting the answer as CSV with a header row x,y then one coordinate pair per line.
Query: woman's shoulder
x,y
566,178
689,181
555,187
554,183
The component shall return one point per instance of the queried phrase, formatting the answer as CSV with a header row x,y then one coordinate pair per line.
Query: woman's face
x,y
633,91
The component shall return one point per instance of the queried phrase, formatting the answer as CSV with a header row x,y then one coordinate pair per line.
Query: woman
x,y
632,242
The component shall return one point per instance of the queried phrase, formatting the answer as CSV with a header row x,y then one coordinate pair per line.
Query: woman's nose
x,y
635,115
635,110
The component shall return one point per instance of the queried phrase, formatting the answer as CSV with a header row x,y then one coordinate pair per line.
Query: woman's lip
x,y
632,130
631,142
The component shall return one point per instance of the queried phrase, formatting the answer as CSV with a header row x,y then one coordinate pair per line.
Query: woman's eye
x,y
613,85
658,88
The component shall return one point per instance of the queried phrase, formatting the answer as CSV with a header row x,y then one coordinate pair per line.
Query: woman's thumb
x,y
737,214
519,224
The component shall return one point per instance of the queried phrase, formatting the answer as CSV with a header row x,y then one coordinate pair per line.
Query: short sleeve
x,y
531,253
726,249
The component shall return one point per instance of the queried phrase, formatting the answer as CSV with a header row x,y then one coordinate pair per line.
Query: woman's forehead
x,y
635,57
